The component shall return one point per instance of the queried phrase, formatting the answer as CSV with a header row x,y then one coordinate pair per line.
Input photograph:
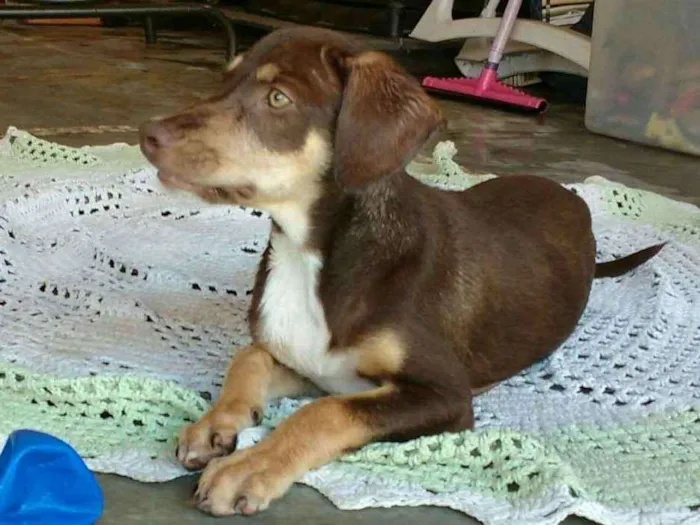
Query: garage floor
x,y
94,86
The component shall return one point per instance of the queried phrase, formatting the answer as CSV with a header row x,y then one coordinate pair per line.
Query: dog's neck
x,y
376,211
293,220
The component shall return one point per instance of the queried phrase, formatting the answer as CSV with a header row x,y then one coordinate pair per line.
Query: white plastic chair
x,y
557,48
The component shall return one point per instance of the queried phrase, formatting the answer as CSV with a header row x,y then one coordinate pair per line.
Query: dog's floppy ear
x,y
385,117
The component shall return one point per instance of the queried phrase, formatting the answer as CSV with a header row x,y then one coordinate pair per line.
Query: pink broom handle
x,y
504,30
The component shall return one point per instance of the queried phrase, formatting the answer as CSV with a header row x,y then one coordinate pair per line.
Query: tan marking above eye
x,y
267,72
369,58
277,99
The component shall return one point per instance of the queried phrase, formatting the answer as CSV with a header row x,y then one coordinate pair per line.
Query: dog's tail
x,y
625,264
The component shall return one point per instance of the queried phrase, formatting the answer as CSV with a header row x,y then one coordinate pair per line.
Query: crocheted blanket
x,y
121,304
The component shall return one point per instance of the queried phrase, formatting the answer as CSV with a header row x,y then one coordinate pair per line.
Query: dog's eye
x,y
277,99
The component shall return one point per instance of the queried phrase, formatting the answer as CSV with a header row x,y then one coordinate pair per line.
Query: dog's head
x,y
301,105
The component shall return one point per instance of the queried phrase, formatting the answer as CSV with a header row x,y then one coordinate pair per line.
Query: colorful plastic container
x,y
644,81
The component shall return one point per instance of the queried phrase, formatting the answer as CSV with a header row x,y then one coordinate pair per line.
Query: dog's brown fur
x,y
426,296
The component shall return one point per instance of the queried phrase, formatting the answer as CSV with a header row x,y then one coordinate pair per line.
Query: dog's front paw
x,y
243,483
214,435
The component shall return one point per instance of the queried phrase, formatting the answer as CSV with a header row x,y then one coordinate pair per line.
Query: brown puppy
x,y
399,299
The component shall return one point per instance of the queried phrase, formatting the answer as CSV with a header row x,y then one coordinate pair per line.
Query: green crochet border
x,y
98,414
101,414
608,465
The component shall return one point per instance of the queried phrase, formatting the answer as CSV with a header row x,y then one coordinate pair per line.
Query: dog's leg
x,y
252,379
246,481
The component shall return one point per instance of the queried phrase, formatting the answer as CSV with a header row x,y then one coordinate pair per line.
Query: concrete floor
x,y
131,503
94,86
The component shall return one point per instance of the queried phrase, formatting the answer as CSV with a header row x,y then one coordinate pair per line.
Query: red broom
x,y
487,87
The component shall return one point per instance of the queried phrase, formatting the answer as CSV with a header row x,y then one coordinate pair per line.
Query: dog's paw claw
x,y
241,505
205,506
213,436
244,483
220,442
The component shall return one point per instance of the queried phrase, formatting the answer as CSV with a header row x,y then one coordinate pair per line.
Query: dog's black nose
x,y
154,135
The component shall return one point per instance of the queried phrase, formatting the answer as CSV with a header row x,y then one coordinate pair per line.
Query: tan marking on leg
x,y
285,382
267,72
253,377
250,377
381,354
247,481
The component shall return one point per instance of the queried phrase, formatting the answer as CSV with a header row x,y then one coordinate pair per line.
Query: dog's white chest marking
x,y
293,322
